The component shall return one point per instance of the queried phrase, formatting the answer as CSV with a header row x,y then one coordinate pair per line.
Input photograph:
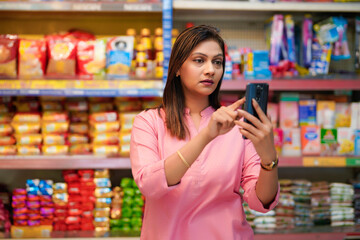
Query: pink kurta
x,y
206,204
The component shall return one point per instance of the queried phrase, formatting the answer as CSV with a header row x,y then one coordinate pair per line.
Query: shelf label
x,y
138,7
353,162
86,7
324,161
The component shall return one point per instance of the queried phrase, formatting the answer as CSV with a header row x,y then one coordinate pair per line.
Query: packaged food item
x,y
91,59
102,182
51,106
101,212
5,118
5,129
9,45
27,106
76,117
292,144
101,107
52,116
124,149
103,192
76,106
278,140
103,202
80,149
32,58
125,137
127,105
8,150
346,139
328,141
61,57
54,139
27,117
110,138
28,139
79,128
105,127
104,117
127,120
28,150
25,128
355,115
119,51
342,115
325,114
55,127
104,173
78,139
289,114
55,149
307,112
310,140
7,140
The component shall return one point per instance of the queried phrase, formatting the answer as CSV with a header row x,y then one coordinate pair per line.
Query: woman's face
x,y
202,70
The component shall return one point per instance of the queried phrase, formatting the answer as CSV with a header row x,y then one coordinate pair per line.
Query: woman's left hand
x,y
261,134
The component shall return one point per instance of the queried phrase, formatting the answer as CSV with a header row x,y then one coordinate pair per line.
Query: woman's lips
x,y
207,82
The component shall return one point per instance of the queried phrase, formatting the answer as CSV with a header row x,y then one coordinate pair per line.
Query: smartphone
x,y
260,92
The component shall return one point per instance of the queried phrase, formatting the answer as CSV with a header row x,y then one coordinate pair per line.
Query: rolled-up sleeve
x,y
250,175
147,167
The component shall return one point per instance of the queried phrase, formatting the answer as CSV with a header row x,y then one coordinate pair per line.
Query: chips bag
x,y
32,58
91,59
9,45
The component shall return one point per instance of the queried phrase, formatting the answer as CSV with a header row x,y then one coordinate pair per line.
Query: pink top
x,y
206,204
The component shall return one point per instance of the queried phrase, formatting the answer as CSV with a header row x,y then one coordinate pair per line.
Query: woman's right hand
x,y
222,120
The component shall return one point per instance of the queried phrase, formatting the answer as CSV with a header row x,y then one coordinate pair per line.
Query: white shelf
x,y
86,6
266,6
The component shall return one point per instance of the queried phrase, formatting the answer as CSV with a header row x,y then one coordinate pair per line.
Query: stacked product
x,y
5,223
55,126
103,201
357,202
320,203
79,128
87,190
104,128
250,216
342,210
60,199
130,221
265,222
285,208
20,210
73,218
7,139
301,191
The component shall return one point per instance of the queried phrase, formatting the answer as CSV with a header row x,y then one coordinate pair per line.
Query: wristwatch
x,y
270,166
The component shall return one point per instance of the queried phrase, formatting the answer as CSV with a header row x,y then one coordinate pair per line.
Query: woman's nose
x,y
209,68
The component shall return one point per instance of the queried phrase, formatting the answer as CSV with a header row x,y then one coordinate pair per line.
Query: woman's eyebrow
x,y
203,54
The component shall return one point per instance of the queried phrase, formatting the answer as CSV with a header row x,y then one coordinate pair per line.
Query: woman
x,y
188,158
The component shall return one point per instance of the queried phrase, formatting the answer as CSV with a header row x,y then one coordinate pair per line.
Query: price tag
x,y
86,7
324,162
353,162
137,7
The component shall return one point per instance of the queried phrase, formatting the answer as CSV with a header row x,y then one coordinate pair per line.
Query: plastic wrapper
x,y
5,129
27,106
32,197
76,106
51,116
61,57
70,176
77,117
55,127
7,140
18,198
55,149
28,139
128,105
72,220
91,59
78,139
127,120
104,173
51,106
54,139
103,193
79,128
102,182
74,188
26,128
9,45
104,117
105,127
80,149
28,150
105,138
32,58
105,150
60,198
60,187
27,117
102,222
101,107
74,212
103,203
124,137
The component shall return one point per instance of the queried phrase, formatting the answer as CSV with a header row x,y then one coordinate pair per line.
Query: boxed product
x,y
357,143
278,139
273,113
328,141
355,115
310,140
307,112
257,66
342,115
325,114
346,139
292,144
289,114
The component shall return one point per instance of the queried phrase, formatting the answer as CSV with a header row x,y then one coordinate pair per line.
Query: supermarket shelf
x,y
79,88
94,162
77,6
265,6
63,162
296,84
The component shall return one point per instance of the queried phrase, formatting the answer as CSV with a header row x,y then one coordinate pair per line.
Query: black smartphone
x,y
260,92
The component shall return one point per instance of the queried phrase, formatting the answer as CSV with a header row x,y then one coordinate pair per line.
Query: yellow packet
x,y
124,150
27,117
127,120
103,173
105,138
105,150
105,127
5,129
8,150
124,137
80,149
55,149
28,139
23,128
52,116
54,139
55,127
78,139
28,150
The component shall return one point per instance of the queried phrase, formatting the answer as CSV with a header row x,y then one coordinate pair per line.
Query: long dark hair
x,y
173,97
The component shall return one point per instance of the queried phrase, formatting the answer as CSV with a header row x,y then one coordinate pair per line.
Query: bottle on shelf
x,y
132,32
148,49
174,35
141,62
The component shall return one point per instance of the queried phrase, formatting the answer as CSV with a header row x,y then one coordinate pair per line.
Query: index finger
x,y
260,112
237,104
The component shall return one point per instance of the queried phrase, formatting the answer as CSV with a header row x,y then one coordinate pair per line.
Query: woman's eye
x,y
218,62
198,60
